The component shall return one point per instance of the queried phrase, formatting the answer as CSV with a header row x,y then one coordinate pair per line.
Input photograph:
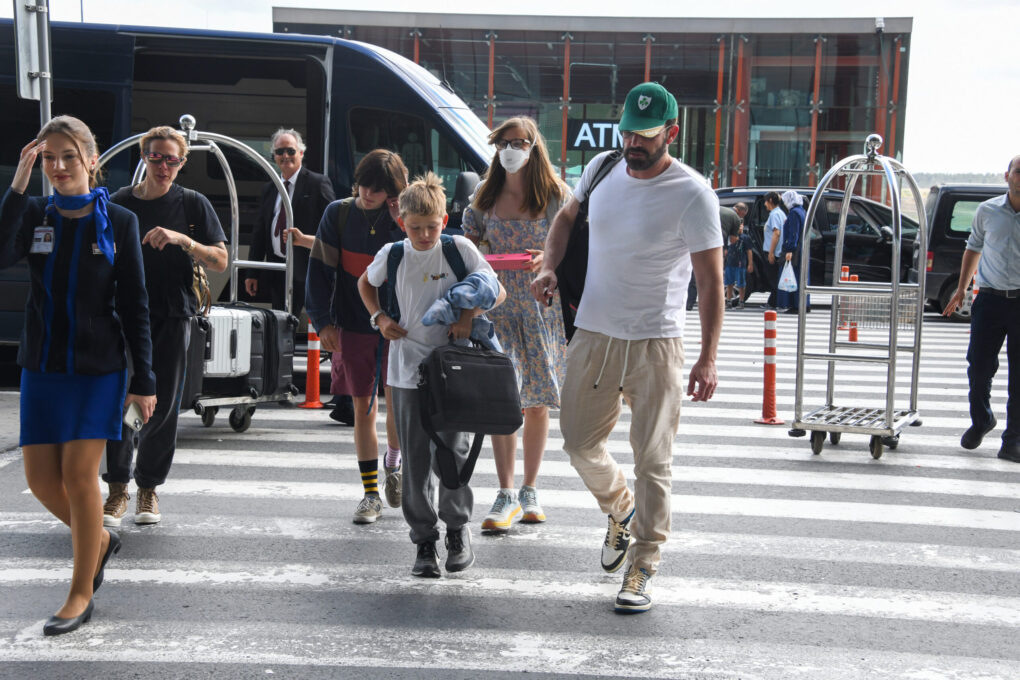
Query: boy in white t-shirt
x,y
422,277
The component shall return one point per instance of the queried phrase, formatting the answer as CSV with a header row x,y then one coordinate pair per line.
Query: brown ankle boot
x,y
116,504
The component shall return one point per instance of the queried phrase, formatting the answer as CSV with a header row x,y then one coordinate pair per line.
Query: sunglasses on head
x,y
289,150
157,158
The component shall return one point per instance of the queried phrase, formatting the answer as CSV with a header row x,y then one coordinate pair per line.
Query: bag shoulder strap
x,y
450,253
192,209
608,163
453,257
446,459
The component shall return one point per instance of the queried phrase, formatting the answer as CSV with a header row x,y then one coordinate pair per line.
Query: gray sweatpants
x,y
421,473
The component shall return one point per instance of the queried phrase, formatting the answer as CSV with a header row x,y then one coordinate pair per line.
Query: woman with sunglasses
x,y
511,212
177,226
86,296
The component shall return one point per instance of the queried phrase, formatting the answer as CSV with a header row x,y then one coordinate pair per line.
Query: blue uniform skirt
x,y
58,407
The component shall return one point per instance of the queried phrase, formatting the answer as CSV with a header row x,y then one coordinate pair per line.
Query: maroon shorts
x,y
354,373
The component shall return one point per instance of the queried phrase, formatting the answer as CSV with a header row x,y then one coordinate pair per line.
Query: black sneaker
x,y
614,549
343,413
426,565
459,555
1010,452
972,438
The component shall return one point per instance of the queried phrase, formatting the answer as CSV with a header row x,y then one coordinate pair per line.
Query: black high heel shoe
x,y
59,626
111,550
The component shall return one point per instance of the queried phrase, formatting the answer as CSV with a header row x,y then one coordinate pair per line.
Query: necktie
x,y
281,222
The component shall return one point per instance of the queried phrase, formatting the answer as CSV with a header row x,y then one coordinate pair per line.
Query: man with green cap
x,y
652,220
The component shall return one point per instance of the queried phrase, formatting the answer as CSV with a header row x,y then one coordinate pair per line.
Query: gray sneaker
x,y
531,510
504,510
369,510
392,486
147,507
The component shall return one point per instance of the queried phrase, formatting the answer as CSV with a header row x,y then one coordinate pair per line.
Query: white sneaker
x,y
635,596
368,511
614,549
531,510
394,494
503,512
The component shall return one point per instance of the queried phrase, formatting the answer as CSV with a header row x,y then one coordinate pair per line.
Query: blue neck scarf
x,y
104,228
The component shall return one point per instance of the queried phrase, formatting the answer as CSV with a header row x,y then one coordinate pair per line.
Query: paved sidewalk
x,y
10,424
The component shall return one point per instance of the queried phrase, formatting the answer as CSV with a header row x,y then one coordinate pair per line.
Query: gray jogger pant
x,y
421,473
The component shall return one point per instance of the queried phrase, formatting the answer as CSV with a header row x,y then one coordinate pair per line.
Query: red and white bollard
x,y
844,277
853,323
312,374
768,403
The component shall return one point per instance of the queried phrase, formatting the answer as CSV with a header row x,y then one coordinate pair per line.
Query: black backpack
x,y
573,268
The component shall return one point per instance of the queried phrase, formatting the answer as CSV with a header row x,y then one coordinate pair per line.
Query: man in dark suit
x,y
310,193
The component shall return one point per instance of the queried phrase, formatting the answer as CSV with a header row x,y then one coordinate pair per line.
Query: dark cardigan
x,y
111,301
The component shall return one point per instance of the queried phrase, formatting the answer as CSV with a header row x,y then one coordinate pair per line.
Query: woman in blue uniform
x,y
87,297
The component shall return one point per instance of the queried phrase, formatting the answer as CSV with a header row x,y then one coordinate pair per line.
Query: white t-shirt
x,y
423,277
642,232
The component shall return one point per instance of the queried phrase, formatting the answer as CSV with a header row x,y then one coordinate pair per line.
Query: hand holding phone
x,y
133,416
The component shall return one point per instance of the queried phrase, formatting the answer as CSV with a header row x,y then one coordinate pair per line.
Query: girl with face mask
x,y
511,212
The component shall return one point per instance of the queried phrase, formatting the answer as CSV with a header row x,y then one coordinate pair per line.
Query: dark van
x,y
950,209
345,97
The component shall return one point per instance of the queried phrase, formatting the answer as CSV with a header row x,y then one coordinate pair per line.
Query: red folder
x,y
509,261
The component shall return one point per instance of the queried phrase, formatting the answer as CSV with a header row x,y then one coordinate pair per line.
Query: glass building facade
x,y
762,101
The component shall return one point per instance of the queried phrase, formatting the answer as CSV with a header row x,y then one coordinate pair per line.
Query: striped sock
x,y
392,459
370,476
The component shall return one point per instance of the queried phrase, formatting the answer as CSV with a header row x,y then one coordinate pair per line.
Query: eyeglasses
x,y
157,158
289,150
518,144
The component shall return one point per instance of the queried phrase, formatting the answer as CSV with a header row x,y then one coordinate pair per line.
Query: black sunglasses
x,y
157,158
289,150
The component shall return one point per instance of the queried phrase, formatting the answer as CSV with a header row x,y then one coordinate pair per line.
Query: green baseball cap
x,y
648,107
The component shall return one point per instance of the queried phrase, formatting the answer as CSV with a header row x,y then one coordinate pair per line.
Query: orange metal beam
x,y
874,189
492,76
417,45
895,99
648,56
566,104
812,156
718,115
740,131
808,62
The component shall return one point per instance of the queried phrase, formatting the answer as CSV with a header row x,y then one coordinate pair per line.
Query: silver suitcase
x,y
229,342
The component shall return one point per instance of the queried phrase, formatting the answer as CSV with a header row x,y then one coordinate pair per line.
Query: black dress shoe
x,y
111,550
426,564
1007,452
58,626
343,413
971,439
459,555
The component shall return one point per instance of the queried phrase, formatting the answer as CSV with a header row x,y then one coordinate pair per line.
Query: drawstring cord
x,y
626,355
605,360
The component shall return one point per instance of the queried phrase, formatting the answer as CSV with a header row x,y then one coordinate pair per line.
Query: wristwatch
x,y
371,320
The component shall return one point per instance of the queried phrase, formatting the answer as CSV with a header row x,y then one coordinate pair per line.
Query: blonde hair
x,y
82,138
164,132
541,184
423,197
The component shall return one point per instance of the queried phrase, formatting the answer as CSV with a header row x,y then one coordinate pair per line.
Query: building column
x,y
565,104
816,106
741,133
649,39
416,34
894,103
718,113
491,99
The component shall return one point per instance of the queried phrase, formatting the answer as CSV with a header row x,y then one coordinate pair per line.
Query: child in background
x,y
423,276
739,262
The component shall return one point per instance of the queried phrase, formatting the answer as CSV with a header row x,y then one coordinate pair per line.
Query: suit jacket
x,y
312,193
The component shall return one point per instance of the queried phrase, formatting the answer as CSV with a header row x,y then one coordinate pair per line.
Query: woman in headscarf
x,y
87,295
792,232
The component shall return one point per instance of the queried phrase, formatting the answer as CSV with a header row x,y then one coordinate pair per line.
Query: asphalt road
x,y
781,564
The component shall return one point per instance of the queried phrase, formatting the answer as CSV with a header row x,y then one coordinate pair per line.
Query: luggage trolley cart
x,y
895,307
243,405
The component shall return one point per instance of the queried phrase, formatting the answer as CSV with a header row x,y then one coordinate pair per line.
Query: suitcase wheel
x,y
240,418
209,415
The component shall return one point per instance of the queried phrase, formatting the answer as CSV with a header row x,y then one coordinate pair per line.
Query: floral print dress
x,y
531,333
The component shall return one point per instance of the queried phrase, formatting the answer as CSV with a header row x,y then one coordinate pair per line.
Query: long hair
x,y
541,184
83,139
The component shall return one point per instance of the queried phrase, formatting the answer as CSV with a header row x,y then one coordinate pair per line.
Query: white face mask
x,y
513,159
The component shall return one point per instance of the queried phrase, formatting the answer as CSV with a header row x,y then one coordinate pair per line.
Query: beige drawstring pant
x,y
649,375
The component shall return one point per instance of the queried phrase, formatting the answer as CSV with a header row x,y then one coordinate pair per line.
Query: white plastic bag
x,y
788,282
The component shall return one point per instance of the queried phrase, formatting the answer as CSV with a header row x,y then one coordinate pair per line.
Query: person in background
x,y
511,211
772,245
176,225
993,252
424,276
738,264
351,232
86,301
792,230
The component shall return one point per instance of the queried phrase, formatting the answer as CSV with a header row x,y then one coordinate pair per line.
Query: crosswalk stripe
x,y
586,539
804,598
742,506
287,648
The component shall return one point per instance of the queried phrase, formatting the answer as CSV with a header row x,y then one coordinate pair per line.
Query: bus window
x,y
420,146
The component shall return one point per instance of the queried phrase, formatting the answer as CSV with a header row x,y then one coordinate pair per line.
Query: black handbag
x,y
467,389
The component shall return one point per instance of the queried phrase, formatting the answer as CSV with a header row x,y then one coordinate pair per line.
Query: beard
x,y
638,158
